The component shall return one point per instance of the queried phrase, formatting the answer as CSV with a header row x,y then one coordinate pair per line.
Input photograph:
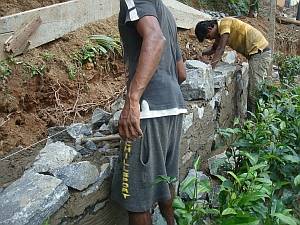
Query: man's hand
x,y
129,122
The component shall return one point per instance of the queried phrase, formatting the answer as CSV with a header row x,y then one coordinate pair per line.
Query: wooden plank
x,y
285,20
57,20
19,42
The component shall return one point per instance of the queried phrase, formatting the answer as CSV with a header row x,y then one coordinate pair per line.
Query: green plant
x,y
46,222
72,71
107,44
48,56
289,67
5,70
97,46
34,70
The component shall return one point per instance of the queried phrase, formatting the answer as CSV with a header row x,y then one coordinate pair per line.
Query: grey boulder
x,y
32,199
53,156
78,175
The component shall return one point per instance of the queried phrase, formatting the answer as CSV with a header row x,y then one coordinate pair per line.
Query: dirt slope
x,y
9,7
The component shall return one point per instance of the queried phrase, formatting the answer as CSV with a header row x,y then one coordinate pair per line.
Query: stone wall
x,y
69,182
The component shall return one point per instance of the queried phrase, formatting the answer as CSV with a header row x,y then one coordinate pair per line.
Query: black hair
x,y
201,29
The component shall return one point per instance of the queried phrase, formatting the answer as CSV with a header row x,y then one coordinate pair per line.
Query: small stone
x,y
229,57
114,122
79,130
78,175
90,145
100,117
104,129
98,134
117,105
53,156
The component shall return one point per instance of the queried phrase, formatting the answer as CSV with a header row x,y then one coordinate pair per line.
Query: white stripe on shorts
x,y
133,13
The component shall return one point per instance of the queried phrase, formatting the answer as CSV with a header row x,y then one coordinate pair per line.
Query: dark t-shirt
x,y
163,91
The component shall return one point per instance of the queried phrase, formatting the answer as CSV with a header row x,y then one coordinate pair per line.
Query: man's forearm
x,y
151,51
217,56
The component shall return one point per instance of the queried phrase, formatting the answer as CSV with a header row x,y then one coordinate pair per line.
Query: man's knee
x,y
140,218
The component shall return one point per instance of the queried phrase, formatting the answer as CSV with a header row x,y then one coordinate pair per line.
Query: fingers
x,y
129,128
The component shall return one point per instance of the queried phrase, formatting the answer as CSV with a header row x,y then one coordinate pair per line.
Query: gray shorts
x,y
156,153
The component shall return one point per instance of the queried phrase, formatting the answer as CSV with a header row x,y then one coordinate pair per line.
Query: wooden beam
x,y
57,20
285,20
19,42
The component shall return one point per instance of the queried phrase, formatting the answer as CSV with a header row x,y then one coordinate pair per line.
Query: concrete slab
x,y
186,17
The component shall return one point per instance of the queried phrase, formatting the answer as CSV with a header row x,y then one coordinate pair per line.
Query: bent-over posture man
x,y
243,38
152,116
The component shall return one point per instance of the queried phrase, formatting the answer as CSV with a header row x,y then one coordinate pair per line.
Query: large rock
x,y
78,130
32,199
187,122
58,134
223,74
100,117
54,156
216,163
199,83
78,175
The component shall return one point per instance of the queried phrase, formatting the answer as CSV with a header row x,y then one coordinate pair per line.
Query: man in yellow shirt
x,y
243,38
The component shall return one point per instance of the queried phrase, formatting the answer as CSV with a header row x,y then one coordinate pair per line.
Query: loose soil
x,y
9,7
29,104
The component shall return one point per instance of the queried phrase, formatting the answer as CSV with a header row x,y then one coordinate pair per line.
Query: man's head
x,y
207,29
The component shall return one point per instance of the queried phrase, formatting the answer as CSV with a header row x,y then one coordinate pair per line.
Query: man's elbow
x,y
159,40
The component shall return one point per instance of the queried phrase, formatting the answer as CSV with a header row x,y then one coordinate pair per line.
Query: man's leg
x,y
259,65
140,218
166,208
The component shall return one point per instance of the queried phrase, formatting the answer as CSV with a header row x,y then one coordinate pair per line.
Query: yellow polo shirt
x,y
243,38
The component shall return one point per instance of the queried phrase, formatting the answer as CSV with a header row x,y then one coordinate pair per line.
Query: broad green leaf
x,y
286,219
235,177
292,158
240,220
221,178
297,180
178,203
229,211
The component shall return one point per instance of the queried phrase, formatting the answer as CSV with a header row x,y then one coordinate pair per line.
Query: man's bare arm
x,y
152,47
212,49
220,49
181,71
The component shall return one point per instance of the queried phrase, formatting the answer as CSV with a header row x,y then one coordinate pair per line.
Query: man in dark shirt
x,y
151,120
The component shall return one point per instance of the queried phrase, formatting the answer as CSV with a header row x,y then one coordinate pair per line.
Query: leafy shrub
x,y
5,70
289,67
97,45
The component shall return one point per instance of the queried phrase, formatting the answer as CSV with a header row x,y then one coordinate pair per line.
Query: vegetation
x,y
97,46
34,70
5,70
261,183
289,67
